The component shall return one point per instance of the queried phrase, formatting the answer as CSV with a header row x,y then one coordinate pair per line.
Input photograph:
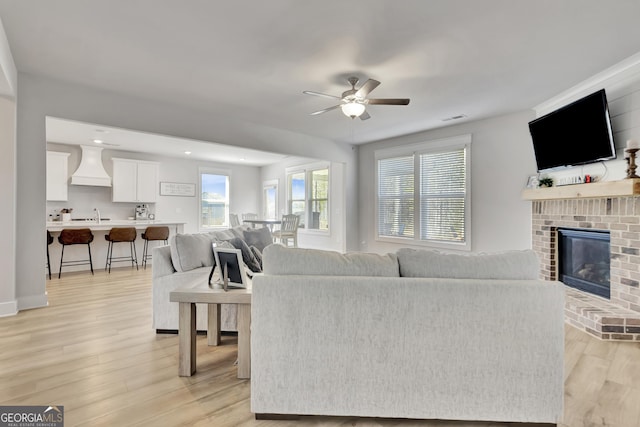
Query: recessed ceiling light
x,y
242,159
187,152
98,141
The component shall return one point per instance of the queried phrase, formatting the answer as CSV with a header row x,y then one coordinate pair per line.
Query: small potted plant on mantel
x,y
545,182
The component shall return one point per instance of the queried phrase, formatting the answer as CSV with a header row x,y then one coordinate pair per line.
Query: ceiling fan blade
x,y
325,110
389,101
310,92
366,88
365,116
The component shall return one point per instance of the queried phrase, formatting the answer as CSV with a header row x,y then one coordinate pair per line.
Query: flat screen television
x,y
576,134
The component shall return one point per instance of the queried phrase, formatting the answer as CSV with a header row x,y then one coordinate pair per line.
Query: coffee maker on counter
x,y
142,212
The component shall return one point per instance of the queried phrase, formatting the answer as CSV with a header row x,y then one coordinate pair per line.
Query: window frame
x,y
267,185
213,171
308,170
415,150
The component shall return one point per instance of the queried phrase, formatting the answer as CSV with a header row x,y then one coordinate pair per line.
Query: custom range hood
x,y
91,171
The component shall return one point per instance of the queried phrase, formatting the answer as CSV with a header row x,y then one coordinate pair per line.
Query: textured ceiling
x,y
249,61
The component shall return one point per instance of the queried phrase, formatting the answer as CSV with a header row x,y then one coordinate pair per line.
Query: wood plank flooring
x,y
94,351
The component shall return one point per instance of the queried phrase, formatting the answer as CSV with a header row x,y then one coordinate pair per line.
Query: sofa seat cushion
x,y
508,265
280,260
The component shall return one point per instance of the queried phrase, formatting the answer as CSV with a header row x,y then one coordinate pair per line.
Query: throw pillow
x,y
257,254
191,251
258,237
247,256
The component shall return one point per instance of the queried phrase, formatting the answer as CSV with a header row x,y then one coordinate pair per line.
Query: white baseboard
x,y
32,301
9,308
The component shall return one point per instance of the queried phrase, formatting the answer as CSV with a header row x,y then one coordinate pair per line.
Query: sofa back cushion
x,y
279,260
516,265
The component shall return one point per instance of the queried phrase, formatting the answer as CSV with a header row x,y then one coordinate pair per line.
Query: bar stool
x,y
153,233
118,235
49,241
79,236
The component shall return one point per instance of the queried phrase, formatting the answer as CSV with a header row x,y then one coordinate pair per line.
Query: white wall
x,y
8,175
8,303
41,97
622,85
501,160
336,239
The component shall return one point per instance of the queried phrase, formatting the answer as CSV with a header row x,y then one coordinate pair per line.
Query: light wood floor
x,y
93,350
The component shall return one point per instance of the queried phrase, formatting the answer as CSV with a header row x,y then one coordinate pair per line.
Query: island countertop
x,y
108,224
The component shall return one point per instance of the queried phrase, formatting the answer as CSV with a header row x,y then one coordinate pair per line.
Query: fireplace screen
x,y
584,260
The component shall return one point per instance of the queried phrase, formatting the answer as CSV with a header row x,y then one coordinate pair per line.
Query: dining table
x,y
264,222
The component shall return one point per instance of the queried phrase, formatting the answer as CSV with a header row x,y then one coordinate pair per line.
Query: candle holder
x,y
631,170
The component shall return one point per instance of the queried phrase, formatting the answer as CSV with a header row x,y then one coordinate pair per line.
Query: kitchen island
x,y
108,224
99,245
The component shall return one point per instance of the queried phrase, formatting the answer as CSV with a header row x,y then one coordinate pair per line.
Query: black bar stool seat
x,y
78,236
150,234
121,235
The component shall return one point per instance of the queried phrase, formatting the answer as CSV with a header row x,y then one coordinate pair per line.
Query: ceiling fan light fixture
x,y
353,109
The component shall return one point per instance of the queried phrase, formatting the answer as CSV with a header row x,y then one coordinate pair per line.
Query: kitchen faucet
x,y
97,214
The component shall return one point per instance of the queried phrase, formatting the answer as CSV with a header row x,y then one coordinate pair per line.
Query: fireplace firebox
x,y
584,260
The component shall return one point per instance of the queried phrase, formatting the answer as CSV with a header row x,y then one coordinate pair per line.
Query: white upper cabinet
x,y
57,176
135,181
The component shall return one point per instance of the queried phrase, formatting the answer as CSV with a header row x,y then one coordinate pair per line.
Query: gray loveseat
x,y
186,263
416,334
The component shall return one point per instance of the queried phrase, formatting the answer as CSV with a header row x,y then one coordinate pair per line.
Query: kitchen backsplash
x,y
83,200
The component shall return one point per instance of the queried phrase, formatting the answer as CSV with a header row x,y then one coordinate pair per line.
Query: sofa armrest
x,y
161,265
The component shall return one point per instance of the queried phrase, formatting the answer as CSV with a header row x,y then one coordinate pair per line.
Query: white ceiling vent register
x,y
91,171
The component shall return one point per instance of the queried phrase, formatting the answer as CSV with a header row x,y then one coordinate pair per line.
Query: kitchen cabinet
x,y
57,176
135,181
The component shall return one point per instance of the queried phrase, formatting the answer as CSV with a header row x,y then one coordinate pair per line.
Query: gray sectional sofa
x,y
416,334
187,262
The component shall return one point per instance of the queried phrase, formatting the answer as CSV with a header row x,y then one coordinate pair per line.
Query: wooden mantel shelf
x,y
622,188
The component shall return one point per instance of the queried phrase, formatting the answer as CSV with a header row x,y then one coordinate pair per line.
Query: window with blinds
x,y
422,194
396,196
442,196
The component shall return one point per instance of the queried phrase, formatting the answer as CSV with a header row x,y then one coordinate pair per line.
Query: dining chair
x,y
288,230
233,220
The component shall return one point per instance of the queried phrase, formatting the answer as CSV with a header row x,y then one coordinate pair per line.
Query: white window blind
x,y
396,196
442,196
423,194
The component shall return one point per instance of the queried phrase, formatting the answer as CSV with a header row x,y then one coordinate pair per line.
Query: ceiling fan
x,y
354,101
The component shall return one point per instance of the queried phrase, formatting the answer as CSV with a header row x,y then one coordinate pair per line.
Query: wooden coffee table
x,y
187,325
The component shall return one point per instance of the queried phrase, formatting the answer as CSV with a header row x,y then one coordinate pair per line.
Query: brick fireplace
x,y
617,318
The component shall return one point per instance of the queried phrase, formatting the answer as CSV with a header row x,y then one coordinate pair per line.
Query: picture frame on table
x,y
231,267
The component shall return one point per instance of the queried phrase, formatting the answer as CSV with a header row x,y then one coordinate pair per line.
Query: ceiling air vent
x,y
458,117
